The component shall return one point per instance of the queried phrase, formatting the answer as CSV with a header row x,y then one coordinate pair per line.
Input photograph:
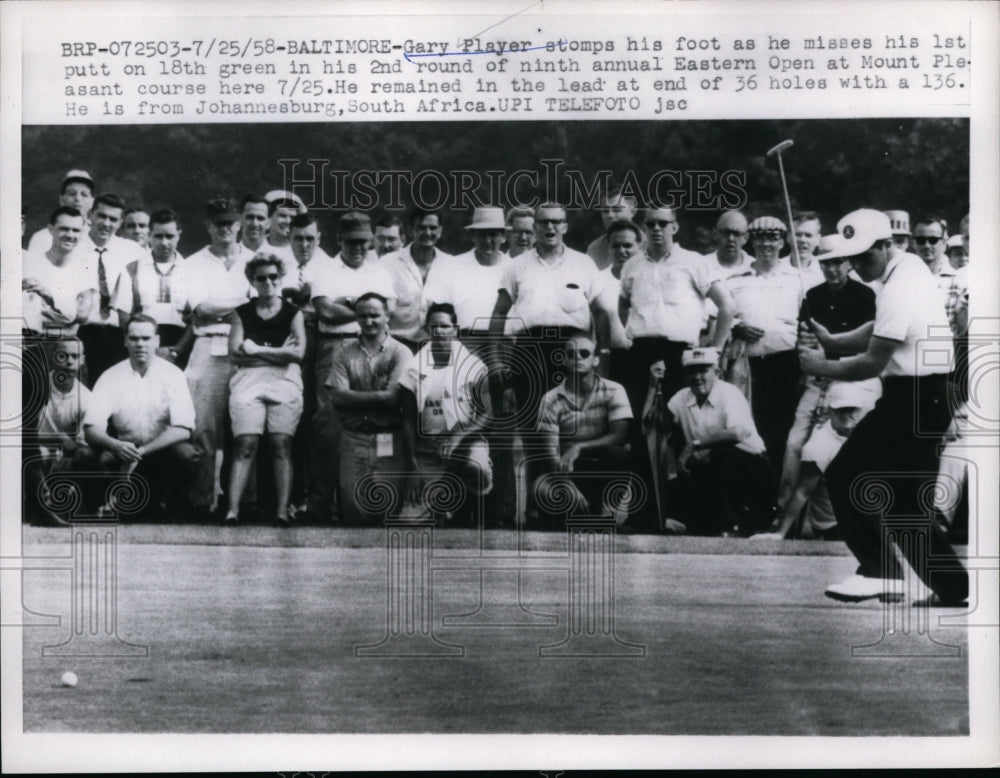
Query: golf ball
x,y
69,679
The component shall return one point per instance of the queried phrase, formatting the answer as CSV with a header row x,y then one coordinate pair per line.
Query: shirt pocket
x,y
571,298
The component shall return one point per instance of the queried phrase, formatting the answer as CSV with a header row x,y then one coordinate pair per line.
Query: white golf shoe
x,y
857,588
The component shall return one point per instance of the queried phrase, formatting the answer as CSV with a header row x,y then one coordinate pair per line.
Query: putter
x,y
776,151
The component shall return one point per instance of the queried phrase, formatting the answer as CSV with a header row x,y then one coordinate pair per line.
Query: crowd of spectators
x,y
263,376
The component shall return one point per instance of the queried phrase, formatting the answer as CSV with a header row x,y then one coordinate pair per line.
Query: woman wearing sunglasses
x,y
266,345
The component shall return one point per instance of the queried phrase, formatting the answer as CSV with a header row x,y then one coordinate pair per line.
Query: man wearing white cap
x,y
282,207
841,304
77,192
899,221
955,248
722,464
897,444
767,312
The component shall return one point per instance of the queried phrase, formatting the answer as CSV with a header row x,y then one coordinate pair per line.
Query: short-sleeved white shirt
x,y
64,413
208,279
725,408
667,297
554,293
445,394
410,287
160,287
470,287
335,279
117,253
64,282
910,309
284,253
771,302
141,407
297,276
611,289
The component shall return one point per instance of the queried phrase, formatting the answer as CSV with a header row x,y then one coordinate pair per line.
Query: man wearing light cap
x,y
841,304
897,444
722,464
336,287
767,312
899,221
282,207
77,192
955,248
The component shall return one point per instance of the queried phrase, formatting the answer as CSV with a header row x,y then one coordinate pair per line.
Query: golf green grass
x,y
255,630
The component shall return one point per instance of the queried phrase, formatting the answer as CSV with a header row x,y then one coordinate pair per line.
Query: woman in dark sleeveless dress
x,y
266,344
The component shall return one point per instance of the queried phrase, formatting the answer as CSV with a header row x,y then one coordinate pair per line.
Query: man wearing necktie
x,y
105,255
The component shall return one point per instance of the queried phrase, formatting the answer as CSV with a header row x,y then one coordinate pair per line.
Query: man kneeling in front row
x,y
140,419
585,423
725,478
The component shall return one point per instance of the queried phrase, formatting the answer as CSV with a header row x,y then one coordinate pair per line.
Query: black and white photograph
x,y
610,390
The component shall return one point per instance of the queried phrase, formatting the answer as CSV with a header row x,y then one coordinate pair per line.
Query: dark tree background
x,y
835,165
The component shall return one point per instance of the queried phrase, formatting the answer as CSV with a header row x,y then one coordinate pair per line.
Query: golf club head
x,y
785,144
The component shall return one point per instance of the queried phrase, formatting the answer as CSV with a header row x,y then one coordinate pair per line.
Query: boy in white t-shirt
x,y
61,444
445,408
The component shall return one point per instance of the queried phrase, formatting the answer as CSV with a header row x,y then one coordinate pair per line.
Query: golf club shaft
x,y
791,229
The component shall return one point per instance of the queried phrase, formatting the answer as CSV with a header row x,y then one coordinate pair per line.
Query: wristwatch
x,y
695,445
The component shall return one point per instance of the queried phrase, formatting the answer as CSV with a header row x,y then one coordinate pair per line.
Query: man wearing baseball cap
x,y
336,287
77,191
722,464
897,444
900,223
841,304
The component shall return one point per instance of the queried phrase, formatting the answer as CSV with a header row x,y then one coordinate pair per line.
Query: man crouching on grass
x,y
725,475
585,424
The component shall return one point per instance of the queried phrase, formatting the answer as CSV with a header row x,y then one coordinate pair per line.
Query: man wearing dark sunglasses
x,y
545,294
663,304
930,240
584,422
